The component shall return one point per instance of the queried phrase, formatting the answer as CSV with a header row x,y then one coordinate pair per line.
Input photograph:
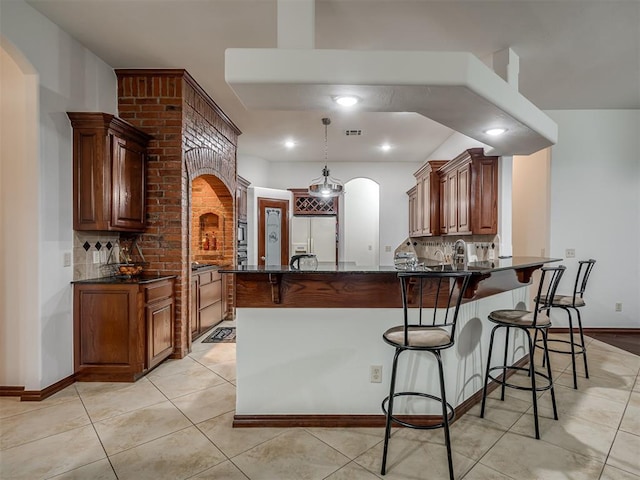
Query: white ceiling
x,y
574,54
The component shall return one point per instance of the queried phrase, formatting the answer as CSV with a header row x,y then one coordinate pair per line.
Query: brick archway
x,y
206,161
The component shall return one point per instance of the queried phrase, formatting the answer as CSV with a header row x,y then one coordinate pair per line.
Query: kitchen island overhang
x,y
306,341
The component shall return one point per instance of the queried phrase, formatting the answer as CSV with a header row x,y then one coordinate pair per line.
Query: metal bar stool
x,y
444,291
567,303
525,321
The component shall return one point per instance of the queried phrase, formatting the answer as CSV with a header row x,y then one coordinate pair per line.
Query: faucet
x,y
438,251
460,255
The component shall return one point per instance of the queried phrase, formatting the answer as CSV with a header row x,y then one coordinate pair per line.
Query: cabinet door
x,y
159,317
413,211
464,199
485,210
193,306
443,204
425,206
91,170
452,202
128,185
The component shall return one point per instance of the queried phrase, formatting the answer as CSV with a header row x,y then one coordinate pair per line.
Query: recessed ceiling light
x,y
495,131
385,147
346,100
289,144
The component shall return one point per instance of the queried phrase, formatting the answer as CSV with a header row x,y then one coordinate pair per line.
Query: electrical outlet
x,y
376,373
619,307
387,248
370,247
570,253
96,257
66,259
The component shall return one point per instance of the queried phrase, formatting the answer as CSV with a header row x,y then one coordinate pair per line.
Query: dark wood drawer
x,y
157,291
210,293
210,315
210,276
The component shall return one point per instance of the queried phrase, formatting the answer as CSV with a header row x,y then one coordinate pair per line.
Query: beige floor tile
x,y
105,400
293,455
411,459
524,457
223,471
520,379
351,442
226,370
44,422
100,470
613,473
233,441
52,455
631,418
571,433
597,345
481,472
179,455
604,364
172,367
209,403
352,471
187,382
504,413
217,353
636,386
582,405
624,453
612,388
13,406
140,426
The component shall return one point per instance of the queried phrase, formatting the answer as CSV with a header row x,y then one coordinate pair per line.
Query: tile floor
x,y
176,424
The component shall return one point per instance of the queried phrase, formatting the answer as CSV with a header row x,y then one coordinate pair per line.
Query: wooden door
x,y
159,331
464,199
128,185
442,206
452,202
273,231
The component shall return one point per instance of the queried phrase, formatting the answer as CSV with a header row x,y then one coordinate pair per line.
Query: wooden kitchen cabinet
x,y
413,212
428,199
122,328
109,173
469,194
207,307
241,199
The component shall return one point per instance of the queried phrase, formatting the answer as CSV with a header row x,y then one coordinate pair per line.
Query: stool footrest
x,y
451,416
580,350
503,381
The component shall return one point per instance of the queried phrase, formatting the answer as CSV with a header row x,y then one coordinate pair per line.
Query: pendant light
x,y
326,186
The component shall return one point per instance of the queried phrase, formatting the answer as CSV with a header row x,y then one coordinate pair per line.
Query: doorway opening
x,y
361,227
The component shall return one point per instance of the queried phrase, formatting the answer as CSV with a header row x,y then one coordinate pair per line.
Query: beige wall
x,y
19,185
531,204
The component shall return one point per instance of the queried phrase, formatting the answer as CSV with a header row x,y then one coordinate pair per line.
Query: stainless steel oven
x,y
242,234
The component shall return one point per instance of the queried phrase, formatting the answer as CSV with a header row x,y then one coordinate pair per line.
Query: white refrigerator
x,y
314,235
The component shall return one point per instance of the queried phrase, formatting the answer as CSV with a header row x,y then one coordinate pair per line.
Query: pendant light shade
x,y
326,186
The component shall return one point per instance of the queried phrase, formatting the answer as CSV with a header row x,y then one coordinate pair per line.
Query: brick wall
x,y
191,137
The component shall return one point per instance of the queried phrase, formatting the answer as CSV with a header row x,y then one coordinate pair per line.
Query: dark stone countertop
x,y
324,268
122,280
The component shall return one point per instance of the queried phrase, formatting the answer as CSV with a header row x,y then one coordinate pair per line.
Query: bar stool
x,y
444,291
566,303
525,321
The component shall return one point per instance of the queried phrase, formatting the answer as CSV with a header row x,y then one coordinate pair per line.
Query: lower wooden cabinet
x,y
206,301
122,329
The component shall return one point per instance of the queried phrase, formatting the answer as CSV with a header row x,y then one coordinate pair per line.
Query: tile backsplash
x,y
103,246
479,247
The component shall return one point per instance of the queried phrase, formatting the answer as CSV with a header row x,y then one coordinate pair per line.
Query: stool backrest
x,y
441,292
584,270
547,289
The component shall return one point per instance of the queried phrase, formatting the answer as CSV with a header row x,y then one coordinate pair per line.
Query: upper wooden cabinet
x,y
241,199
428,197
109,173
414,231
469,186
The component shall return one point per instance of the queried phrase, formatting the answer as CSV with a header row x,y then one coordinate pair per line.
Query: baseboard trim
x,y
360,421
595,330
37,395
8,391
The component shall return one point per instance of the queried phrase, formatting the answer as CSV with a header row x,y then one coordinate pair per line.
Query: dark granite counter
x,y
348,268
122,280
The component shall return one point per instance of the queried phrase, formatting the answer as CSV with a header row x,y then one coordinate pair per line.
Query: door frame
x,y
263,203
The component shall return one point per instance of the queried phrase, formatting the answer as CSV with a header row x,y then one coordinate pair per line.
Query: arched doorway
x,y
361,222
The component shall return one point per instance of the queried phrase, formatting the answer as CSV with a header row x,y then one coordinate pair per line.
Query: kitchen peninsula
x,y
307,340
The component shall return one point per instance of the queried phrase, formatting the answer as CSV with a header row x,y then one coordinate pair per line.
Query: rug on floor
x,y
221,335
